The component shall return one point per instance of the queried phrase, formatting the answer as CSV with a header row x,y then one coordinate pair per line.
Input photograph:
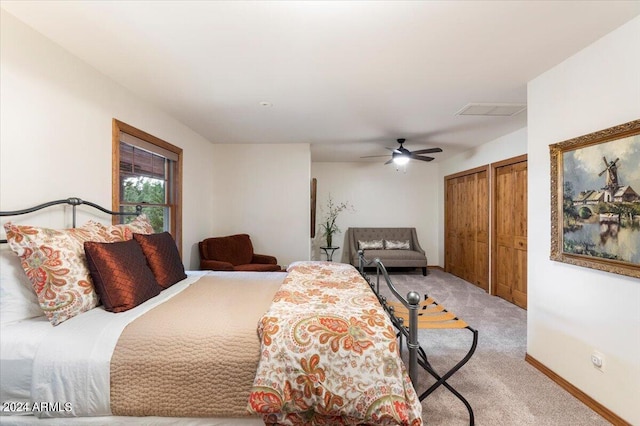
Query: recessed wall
x,y
381,196
263,191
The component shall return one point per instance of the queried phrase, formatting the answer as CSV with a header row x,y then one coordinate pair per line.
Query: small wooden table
x,y
329,252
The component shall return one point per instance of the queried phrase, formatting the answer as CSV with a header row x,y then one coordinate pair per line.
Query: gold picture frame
x,y
595,200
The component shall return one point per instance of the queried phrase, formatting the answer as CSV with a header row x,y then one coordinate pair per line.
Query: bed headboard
x,y
73,202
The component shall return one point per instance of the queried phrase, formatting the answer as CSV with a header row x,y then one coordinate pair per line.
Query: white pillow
x,y
18,301
397,245
370,245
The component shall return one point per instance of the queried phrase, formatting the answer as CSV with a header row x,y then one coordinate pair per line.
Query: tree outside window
x,y
148,173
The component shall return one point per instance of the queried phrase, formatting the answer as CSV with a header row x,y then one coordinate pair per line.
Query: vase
x,y
329,240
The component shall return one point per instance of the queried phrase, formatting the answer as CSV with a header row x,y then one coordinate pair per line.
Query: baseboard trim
x,y
609,415
440,268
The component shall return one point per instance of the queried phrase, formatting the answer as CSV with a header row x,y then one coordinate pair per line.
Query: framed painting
x,y
595,200
314,190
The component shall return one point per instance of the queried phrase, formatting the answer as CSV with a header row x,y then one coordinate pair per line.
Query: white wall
x,y
508,146
573,310
55,132
382,197
264,191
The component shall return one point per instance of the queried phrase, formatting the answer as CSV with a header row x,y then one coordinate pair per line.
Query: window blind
x,y
147,146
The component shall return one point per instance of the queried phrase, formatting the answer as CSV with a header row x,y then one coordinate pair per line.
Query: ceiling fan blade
x,y
375,156
418,157
396,150
427,151
389,162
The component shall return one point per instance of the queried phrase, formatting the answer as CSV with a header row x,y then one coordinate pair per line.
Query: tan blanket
x,y
195,355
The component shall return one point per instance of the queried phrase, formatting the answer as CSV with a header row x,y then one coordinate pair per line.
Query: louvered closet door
x,y
510,227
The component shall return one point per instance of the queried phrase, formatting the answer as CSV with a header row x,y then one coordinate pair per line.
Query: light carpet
x,y
501,387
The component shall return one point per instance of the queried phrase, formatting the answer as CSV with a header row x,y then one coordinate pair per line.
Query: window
x,y
147,171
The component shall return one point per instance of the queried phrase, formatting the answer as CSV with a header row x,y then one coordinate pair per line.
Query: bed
x,y
310,346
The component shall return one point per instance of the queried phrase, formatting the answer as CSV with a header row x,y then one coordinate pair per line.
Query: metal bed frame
x,y
411,302
73,202
413,309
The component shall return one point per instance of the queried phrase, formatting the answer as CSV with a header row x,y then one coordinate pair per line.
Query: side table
x,y
329,252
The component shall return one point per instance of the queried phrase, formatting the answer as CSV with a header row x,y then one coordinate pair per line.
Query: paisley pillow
x,y
124,232
55,263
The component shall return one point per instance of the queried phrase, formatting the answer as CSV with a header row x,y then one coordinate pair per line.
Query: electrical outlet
x,y
597,359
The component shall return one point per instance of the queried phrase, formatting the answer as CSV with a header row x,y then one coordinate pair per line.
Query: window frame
x,y
174,197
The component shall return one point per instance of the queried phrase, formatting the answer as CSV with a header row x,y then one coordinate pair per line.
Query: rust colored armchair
x,y
234,253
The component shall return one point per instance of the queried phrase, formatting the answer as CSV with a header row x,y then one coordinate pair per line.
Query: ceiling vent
x,y
492,110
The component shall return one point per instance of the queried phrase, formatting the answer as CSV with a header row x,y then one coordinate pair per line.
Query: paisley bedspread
x,y
329,354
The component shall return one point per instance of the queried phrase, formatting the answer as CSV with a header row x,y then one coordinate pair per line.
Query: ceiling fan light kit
x,y
401,159
400,156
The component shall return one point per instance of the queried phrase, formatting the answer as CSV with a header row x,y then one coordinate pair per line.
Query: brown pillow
x,y
120,274
163,257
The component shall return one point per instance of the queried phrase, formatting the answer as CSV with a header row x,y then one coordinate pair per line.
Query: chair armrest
x,y
215,265
264,259
353,249
415,243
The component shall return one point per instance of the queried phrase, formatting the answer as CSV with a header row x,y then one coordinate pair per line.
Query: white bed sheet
x,y
71,362
19,342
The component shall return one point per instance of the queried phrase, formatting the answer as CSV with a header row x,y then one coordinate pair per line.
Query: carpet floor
x,y
501,387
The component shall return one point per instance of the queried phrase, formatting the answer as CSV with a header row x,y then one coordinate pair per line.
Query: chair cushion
x,y
235,249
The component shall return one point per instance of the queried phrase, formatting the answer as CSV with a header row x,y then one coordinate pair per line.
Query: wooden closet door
x,y
452,255
510,227
482,231
468,230
467,226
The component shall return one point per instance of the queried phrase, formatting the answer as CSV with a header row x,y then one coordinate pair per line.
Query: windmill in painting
x,y
601,208
612,178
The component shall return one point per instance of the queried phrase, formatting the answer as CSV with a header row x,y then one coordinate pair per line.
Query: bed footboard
x,y
411,303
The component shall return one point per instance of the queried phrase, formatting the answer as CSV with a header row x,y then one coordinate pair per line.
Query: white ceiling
x,y
346,77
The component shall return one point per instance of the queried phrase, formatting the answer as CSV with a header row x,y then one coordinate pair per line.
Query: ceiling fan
x,y
402,155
